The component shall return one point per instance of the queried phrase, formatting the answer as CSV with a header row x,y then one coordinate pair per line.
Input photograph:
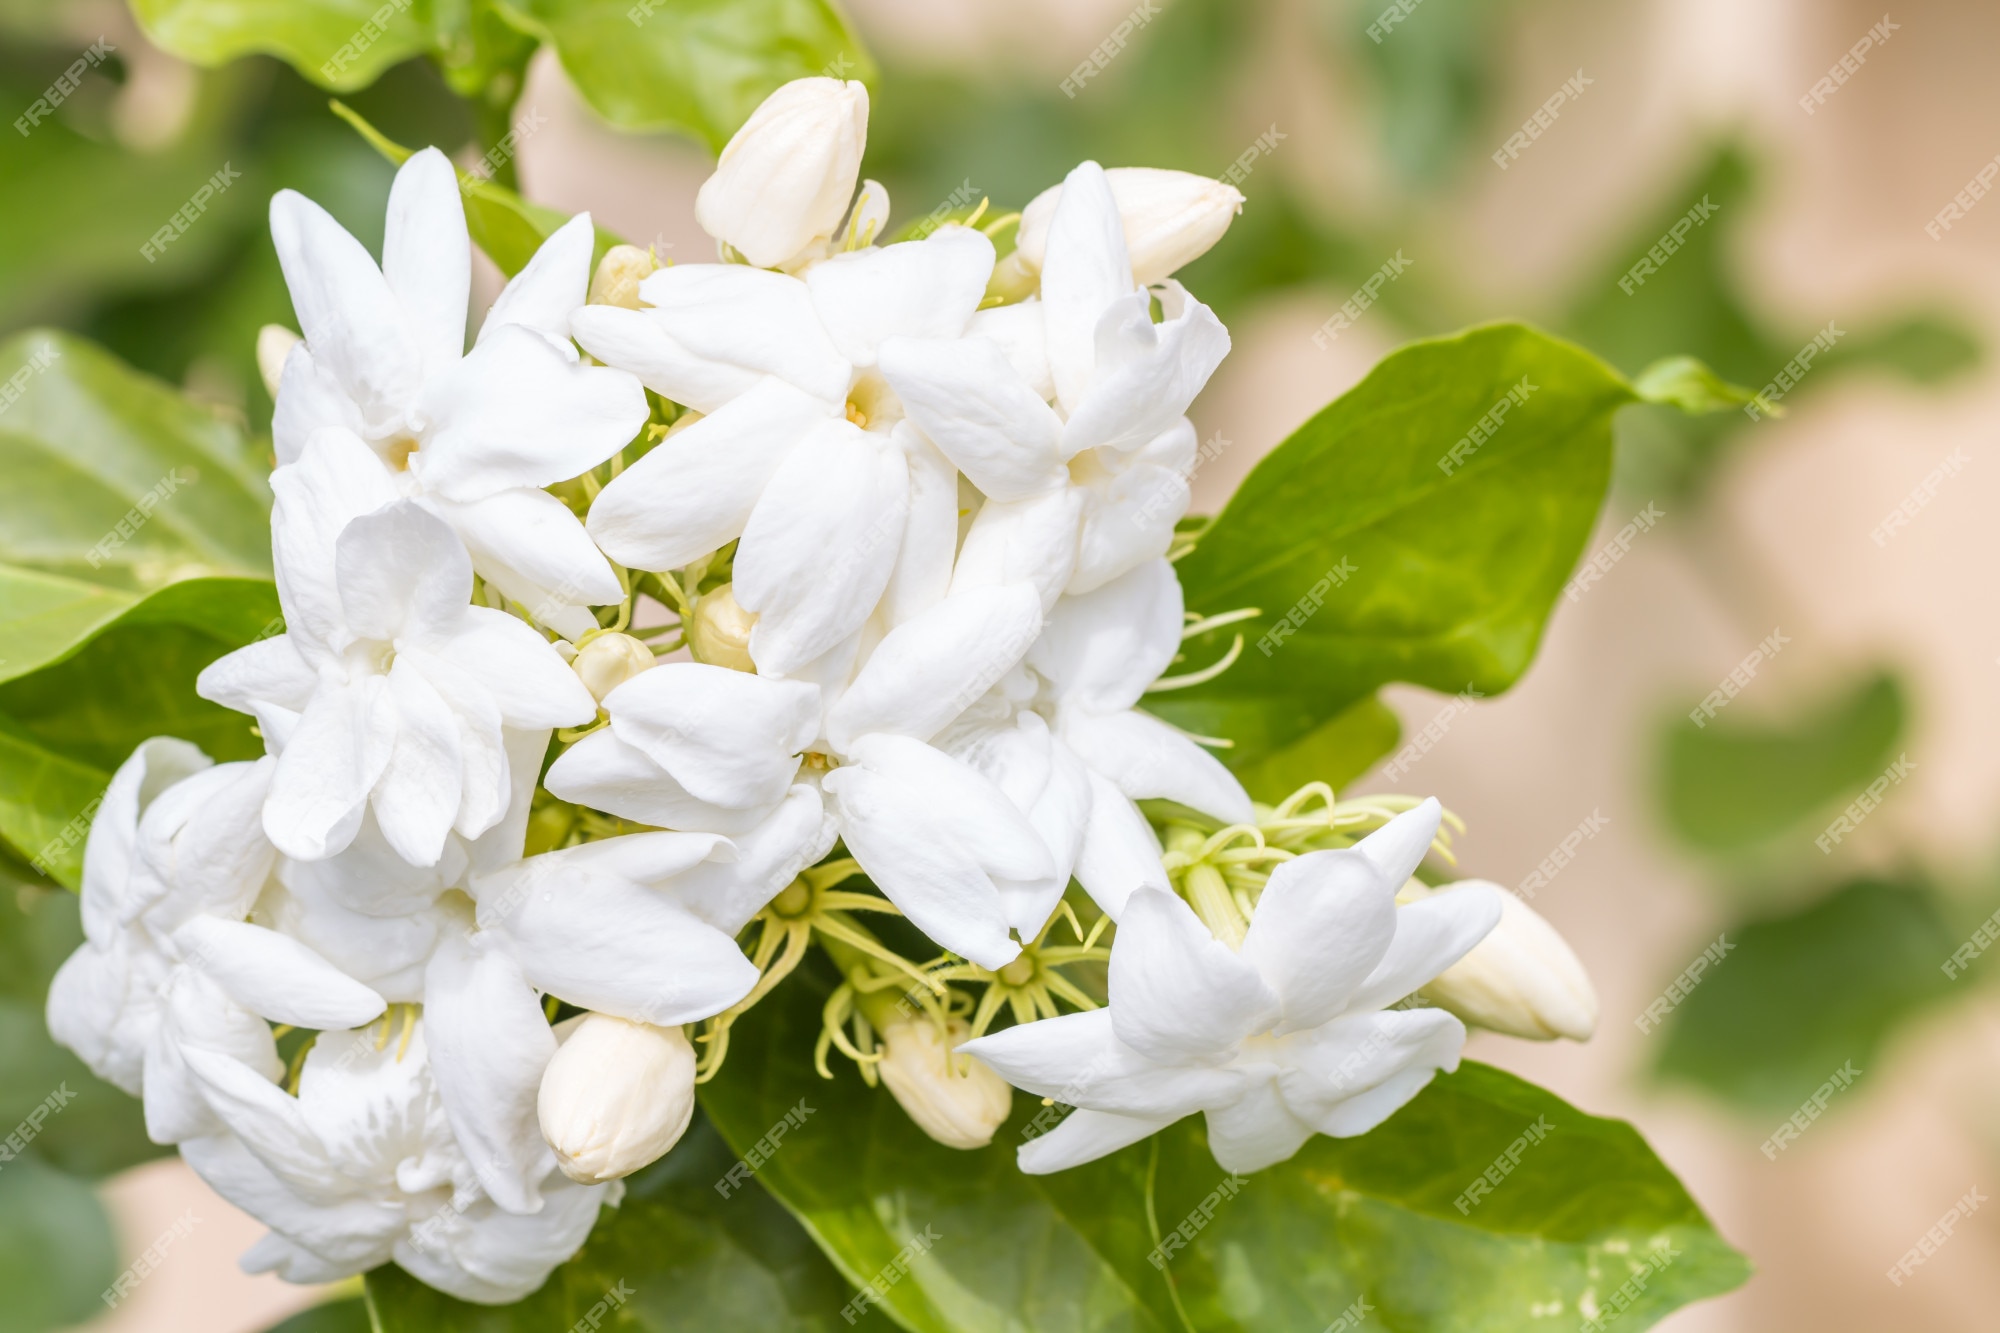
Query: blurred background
x,y
1650,837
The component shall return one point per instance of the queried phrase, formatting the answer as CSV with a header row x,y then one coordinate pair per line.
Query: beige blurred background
x,y
1839,234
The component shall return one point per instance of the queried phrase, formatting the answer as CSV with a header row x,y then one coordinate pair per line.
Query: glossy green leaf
x,y
1336,752
57,1252
1800,995
678,1256
1733,785
1373,1218
697,66
1386,559
339,44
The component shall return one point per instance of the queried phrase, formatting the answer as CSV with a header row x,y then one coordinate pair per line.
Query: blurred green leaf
x,y
343,1316
1336,753
46,801
1800,995
1434,68
57,1253
1732,785
681,1256
1371,1217
1441,578
697,66
339,44
1685,383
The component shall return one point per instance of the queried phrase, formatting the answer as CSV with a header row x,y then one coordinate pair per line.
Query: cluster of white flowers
x,y
880,540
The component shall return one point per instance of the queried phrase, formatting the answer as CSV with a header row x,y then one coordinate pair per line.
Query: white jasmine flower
x,y
616,1097
360,1168
1290,1037
1083,490
477,434
1523,979
803,453
1171,218
389,692
785,177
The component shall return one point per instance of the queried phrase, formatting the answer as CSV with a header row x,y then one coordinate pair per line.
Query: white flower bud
x,y
608,661
784,180
1171,218
1523,980
616,1096
719,631
618,275
953,1098
274,343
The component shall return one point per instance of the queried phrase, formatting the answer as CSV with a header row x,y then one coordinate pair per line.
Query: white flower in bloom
x,y
1082,491
1171,218
803,452
474,434
360,1168
784,179
1289,1037
389,691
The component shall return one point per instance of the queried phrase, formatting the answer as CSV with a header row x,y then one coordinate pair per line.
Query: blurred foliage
x,y
1803,993
1735,784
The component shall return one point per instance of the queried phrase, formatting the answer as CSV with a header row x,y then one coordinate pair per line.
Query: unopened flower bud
x,y
616,1096
719,631
953,1098
618,275
784,180
1523,979
274,343
1171,218
608,661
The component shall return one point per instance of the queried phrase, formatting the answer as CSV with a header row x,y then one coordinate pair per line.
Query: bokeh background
x,y
1382,149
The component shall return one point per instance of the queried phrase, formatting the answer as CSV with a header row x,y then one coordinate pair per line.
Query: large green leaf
x,y
1373,1218
1798,996
1730,785
340,44
680,1256
699,66
57,1253
119,480
1396,562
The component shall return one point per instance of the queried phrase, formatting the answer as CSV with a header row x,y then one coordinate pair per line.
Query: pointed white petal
x,y
959,804
1014,540
965,396
275,976
267,671
1147,373
1084,270
1022,334
336,480
328,767
309,399
1323,924
750,318
530,684
728,737
1354,1073
1254,1131
401,571
1399,846
1178,995
1120,851
417,799
604,773
552,284
1128,520
635,342
930,538
726,894
351,319
536,547
1148,759
919,289
1103,648
1085,1136
929,669
427,257
1431,934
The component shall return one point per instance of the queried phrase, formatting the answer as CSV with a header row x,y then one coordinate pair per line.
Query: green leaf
x,y
1372,1218
1336,753
119,480
1394,562
505,226
339,44
698,66
1683,382
345,1316
1801,994
680,1256
57,1253
1730,785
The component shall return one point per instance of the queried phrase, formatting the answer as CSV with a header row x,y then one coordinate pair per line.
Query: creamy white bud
x,y
616,1096
1523,979
719,631
609,660
618,275
1171,218
953,1098
274,343
784,180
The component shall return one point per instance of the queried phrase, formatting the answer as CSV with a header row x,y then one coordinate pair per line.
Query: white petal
x,y
1129,520
1013,540
484,777
1022,333
959,804
530,545
929,669
309,399
267,671
519,412
550,286
328,768
196,1015
1324,922
693,493
1077,1060
636,342
1147,373
1047,783
401,572
728,737
968,400
1084,270
930,538
427,256
1103,648
1399,846
532,686
1354,1073
1255,1131
919,289
352,1234
352,321
821,543
1148,759
606,774
489,1043
751,318
1431,934
1178,995
417,799
335,481
726,894
109,850
267,1119
275,976
1120,851
1084,1136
